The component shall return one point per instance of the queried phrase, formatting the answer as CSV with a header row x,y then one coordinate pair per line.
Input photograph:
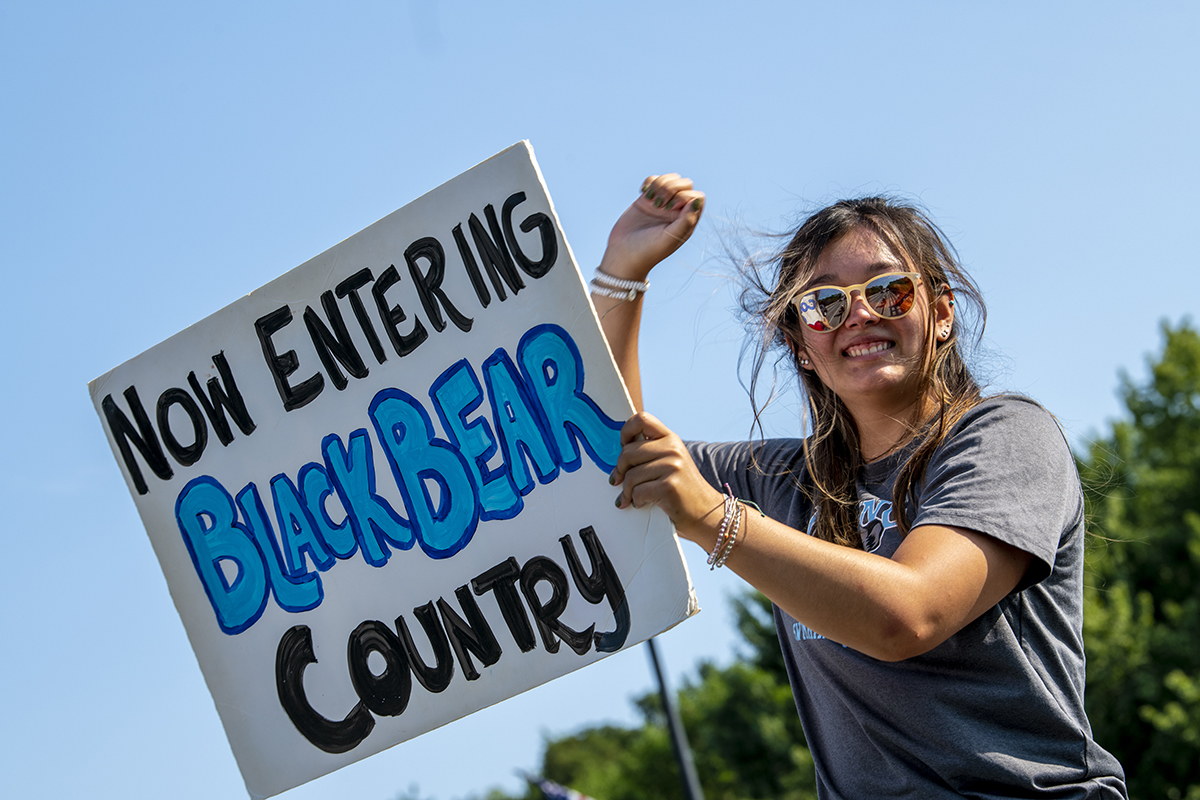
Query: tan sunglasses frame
x,y
847,290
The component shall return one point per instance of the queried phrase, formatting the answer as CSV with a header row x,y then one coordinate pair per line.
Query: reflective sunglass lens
x,y
890,296
824,309
834,305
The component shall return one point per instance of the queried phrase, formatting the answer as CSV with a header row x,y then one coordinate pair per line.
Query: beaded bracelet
x,y
733,536
731,505
727,531
607,285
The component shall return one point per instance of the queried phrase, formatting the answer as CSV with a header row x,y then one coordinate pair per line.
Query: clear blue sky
x,y
161,160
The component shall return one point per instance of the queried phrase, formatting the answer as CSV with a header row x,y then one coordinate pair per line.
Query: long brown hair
x,y
832,453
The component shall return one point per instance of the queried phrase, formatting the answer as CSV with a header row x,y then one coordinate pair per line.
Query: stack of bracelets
x,y
727,533
606,285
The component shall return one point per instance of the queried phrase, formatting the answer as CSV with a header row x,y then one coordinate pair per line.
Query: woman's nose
x,y
860,312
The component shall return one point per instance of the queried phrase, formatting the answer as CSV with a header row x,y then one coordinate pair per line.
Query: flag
x,y
555,791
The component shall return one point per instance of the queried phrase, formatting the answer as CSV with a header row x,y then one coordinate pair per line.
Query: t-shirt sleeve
x,y
722,462
764,472
1005,471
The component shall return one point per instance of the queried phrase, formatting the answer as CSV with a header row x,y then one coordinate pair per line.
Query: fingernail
x,y
650,196
645,186
658,203
612,479
696,204
670,205
617,502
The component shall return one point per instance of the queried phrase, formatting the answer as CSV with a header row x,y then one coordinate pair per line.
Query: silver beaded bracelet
x,y
606,285
727,531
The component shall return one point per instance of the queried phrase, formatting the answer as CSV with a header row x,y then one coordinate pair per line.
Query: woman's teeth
x,y
867,349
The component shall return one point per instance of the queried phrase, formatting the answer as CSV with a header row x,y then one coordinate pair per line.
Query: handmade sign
x,y
377,486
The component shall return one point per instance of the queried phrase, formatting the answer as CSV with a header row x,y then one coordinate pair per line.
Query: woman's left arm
x,y
937,581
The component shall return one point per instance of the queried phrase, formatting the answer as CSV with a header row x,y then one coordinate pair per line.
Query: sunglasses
x,y
890,296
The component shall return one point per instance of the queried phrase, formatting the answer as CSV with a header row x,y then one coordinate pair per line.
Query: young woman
x,y
923,546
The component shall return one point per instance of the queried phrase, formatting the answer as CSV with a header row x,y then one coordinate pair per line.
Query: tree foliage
x,y
741,723
1142,598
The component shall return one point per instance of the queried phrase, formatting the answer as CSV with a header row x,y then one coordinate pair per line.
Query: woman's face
x,y
871,363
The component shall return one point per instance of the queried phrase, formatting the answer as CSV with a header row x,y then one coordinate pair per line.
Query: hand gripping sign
x,y
377,486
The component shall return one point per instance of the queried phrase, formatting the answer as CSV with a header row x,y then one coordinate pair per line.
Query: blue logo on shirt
x,y
803,633
874,520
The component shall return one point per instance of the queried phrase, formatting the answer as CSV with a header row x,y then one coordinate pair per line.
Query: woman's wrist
x,y
623,269
722,528
702,529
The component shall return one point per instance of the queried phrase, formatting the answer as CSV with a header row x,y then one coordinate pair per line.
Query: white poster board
x,y
377,486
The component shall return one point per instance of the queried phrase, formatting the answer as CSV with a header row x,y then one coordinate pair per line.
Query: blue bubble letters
x,y
541,422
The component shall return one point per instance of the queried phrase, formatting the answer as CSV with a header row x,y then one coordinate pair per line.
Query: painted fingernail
x,y
645,186
670,205
612,479
650,196
697,204
617,502
658,203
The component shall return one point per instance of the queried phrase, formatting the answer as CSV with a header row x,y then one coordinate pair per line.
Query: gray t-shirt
x,y
997,709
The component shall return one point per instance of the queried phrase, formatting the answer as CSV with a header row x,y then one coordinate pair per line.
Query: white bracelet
x,y
606,285
616,294
604,279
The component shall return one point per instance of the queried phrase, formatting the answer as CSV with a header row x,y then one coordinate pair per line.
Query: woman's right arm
x,y
654,226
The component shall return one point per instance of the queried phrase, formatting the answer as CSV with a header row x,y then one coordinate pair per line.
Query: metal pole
x,y
679,742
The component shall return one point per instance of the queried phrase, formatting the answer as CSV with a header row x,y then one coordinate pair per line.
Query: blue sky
x,y
161,160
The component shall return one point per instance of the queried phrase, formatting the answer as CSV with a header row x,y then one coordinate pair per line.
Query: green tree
x,y
1142,598
741,723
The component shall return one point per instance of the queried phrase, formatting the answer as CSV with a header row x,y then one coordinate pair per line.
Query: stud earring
x,y
804,362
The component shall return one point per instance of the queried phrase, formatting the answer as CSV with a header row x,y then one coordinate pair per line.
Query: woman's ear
x,y
943,315
801,356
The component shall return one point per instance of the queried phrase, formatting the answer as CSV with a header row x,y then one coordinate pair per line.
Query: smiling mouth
x,y
867,349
